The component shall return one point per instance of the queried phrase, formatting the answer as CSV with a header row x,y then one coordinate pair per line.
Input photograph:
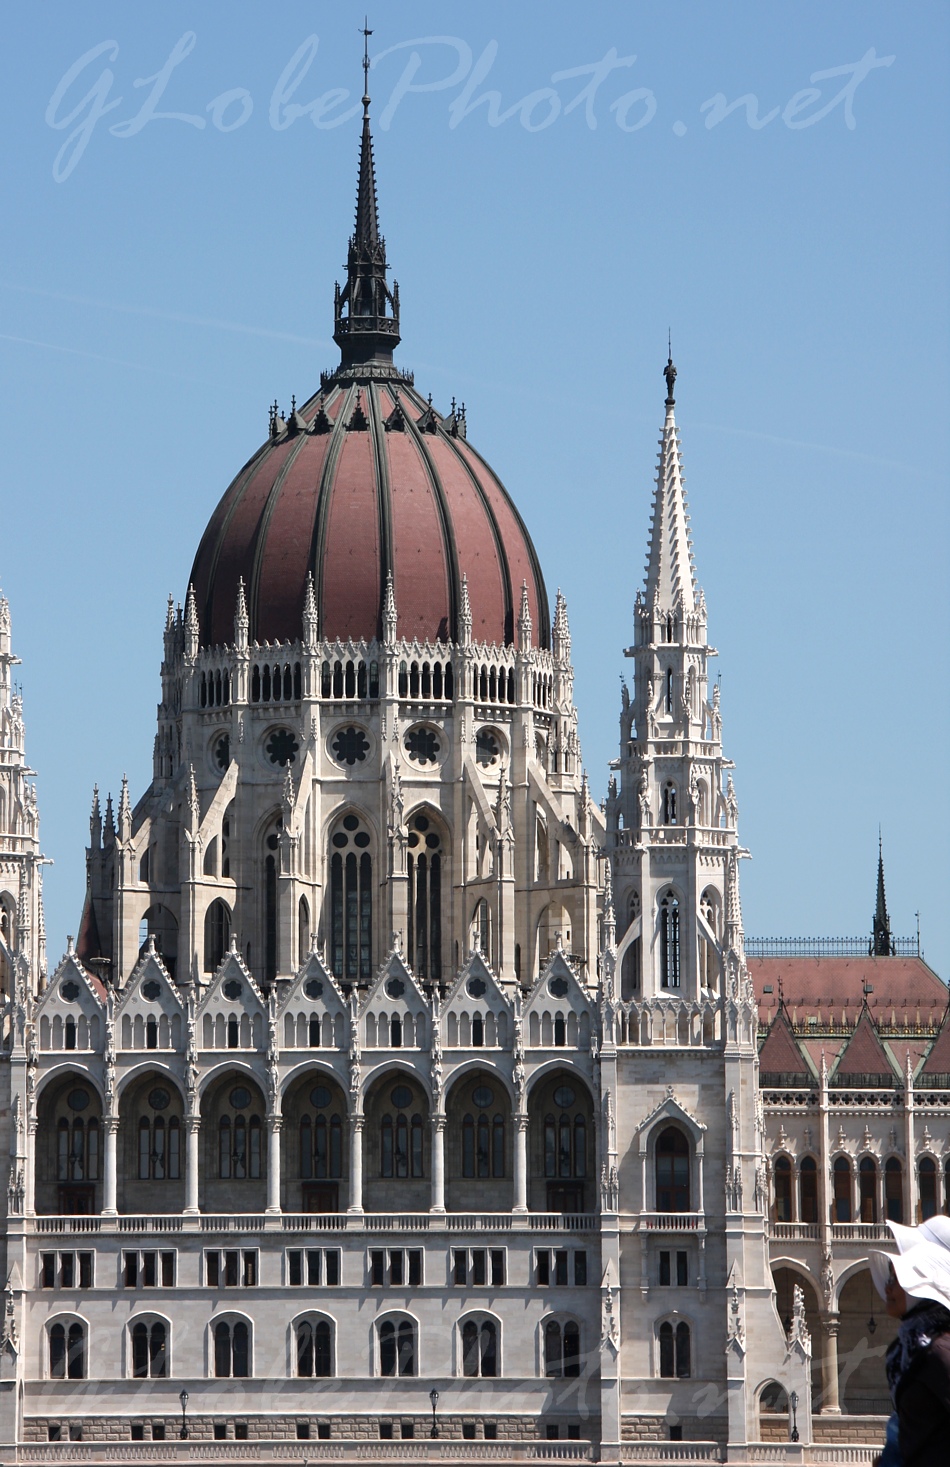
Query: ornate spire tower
x,y
882,944
22,939
673,822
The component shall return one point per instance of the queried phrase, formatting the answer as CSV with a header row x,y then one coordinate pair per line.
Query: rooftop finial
x,y
366,35
882,945
669,372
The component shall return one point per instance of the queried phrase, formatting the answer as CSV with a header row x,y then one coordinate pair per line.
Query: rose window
x,y
350,746
422,745
282,747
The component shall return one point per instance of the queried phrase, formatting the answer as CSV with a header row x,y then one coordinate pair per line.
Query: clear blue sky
x,y
163,278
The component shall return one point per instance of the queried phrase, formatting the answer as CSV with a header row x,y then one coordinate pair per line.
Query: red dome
x,y
364,482
367,480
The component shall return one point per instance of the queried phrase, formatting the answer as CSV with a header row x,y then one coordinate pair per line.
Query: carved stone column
x,y
192,1133
830,1405
356,1164
110,1126
521,1162
273,1163
29,1180
438,1164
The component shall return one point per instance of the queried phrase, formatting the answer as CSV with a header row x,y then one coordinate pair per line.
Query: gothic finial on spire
x,y
109,821
560,630
125,810
465,614
389,612
95,820
241,622
882,944
310,624
191,625
524,620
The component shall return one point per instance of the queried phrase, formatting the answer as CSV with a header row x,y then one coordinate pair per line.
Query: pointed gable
x,y
395,1009
476,1011
937,1064
558,1009
71,1012
780,1054
150,1002
314,1012
864,1057
232,1013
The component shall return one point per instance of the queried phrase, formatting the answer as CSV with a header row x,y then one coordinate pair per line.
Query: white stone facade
x,y
357,1094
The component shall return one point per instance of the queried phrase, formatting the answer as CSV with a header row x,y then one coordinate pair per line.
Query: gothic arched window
x,y
927,1181
783,1189
425,863
841,1186
397,1347
217,934
351,900
808,1190
670,941
668,691
669,803
67,1351
314,1348
159,1148
271,870
149,1350
479,1347
232,1348
562,1348
481,928
894,1190
672,1171
674,1350
867,1190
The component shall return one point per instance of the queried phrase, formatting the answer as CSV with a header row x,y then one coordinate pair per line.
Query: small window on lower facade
x,y
313,1267
397,1347
232,1348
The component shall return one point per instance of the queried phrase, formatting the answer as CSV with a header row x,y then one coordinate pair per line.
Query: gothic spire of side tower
x,y
882,944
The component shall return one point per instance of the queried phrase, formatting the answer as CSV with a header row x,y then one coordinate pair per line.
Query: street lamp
x,y
434,1398
793,1402
183,1398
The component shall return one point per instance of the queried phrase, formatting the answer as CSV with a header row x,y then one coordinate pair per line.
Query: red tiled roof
x,y
835,984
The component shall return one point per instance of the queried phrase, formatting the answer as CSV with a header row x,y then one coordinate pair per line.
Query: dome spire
x,y
366,311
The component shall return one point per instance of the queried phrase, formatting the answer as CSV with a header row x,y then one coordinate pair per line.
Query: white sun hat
x,y
923,1271
934,1230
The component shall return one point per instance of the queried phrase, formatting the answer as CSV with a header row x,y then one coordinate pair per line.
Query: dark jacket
x,y
922,1400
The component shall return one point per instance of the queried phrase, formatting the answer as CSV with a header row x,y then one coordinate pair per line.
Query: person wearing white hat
x,y
915,1285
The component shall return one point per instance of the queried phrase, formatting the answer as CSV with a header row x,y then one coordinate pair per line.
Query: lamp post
x,y
793,1402
434,1398
183,1398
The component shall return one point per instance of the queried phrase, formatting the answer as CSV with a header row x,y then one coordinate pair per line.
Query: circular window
x,y
423,836
232,989
401,1096
69,990
395,988
313,988
77,1099
158,1098
240,1097
482,1096
475,987
350,746
282,747
558,986
221,751
151,989
487,748
564,1096
320,1097
422,745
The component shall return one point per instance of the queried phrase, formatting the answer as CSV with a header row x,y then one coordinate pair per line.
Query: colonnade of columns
x,y
192,1127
